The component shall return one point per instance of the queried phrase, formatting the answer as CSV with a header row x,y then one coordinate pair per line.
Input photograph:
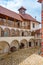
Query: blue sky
x,y
32,6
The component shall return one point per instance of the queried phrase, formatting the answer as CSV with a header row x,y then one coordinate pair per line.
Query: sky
x,y
32,6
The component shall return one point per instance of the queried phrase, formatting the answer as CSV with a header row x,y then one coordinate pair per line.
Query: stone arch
x,y
4,47
29,33
23,43
1,32
6,32
17,33
38,42
12,32
22,33
33,33
31,42
15,43
25,33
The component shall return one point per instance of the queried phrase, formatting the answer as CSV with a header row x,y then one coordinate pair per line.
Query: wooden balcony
x,y
6,21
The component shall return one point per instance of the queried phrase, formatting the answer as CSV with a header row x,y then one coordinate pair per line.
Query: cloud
x,y
14,3
11,4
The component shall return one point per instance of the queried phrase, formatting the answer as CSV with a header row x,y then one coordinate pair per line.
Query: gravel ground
x,y
17,57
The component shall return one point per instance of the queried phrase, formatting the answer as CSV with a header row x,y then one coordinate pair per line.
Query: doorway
x,y
29,44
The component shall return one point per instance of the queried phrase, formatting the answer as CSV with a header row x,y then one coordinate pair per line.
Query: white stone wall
x,y
10,39
37,26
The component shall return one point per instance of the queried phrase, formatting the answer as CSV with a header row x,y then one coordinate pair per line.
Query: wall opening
x,y
29,44
13,49
21,46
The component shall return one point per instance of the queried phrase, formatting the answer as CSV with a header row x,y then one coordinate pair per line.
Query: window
x,y
23,12
33,25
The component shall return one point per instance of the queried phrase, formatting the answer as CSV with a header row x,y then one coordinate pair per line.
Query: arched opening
x,y
22,33
40,42
12,32
14,45
23,43
13,48
33,33
29,33
18,24
2,33
6,32
4,47
36,43
31,43
21,46
26,33
17,33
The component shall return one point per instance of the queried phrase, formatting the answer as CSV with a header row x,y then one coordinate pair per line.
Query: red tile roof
x,y
14,15
40,1
9,13
28,17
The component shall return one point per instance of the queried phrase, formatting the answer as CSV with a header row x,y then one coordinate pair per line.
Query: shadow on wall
x,y
21,46
12,49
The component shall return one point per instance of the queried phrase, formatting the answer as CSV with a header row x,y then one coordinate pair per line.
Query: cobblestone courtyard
x,y
17,57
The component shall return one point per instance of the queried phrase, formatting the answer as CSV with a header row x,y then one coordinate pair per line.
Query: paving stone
x,y
17,57
33,60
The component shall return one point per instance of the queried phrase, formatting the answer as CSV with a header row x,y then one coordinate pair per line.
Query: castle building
x,y
18,30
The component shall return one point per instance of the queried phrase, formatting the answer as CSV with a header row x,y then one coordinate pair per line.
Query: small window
x,y
33,25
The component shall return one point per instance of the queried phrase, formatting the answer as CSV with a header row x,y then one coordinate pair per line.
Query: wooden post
x,y
6,21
